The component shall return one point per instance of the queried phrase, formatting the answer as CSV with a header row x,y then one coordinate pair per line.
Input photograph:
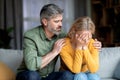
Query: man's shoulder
x,y
32,32
62,34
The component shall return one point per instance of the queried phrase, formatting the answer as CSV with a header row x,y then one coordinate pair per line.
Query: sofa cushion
x,y
117,71
12,58
5,72
109,60
108,79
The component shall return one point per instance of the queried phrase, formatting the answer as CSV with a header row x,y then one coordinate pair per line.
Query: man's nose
x,y
60,23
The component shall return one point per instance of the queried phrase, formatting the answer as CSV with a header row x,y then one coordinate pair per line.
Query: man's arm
x,y
34,62
97,44
51,55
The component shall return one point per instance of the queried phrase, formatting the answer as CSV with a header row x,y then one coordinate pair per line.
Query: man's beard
x,y
54,31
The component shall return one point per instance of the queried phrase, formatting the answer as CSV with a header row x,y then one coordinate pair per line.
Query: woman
x,y
79,54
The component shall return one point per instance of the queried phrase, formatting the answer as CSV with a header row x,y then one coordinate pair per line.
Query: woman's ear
x,y
44,21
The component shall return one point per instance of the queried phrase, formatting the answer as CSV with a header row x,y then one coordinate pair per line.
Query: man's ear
x,y
44,21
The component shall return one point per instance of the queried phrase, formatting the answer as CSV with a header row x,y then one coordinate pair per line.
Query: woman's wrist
x,y
84,47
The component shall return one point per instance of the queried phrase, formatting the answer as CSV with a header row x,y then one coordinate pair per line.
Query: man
x,y
42,46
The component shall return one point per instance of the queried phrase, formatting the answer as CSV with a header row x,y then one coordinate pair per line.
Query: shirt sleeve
x,y
32,60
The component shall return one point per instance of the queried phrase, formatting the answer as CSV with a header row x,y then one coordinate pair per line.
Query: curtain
x,y
11,17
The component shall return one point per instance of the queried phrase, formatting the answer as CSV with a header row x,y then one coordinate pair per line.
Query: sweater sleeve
x,y
71,58
91,57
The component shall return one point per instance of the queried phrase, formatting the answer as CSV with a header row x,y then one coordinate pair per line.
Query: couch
x,y
109,61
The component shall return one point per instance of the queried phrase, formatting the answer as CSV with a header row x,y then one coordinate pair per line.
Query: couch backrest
x,y
12,58
109,62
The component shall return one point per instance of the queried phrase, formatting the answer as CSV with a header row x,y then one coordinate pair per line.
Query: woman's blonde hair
x,y
82,23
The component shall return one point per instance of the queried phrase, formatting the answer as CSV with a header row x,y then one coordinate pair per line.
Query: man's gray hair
x,y
49,11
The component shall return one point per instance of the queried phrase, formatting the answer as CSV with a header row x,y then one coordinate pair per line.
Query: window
x,y
31,9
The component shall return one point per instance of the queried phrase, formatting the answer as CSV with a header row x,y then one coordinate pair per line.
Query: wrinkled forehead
x,y
57,16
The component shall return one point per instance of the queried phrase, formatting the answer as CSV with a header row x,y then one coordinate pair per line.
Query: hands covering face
x,y
83,37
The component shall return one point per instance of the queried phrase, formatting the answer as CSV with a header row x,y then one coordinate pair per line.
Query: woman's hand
x,y
82,38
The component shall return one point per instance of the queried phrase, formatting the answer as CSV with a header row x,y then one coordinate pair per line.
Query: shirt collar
x,y
43,36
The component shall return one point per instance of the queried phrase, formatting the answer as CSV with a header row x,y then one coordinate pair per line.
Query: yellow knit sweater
x,y
78,61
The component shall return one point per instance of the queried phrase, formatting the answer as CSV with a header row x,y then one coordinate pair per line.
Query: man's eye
x,y
56,21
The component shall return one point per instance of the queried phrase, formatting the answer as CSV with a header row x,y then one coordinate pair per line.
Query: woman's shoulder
x,y
67,40
67,43
92,40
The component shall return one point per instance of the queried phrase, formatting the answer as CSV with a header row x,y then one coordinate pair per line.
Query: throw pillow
x,y
6,73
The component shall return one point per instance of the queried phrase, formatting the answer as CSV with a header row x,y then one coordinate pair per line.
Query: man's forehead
x,y
59,16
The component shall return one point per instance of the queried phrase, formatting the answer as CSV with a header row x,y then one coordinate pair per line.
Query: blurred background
x,y
18,16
